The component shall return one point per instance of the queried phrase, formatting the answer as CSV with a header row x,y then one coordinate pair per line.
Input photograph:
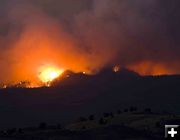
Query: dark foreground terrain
x,y
76,95
125,126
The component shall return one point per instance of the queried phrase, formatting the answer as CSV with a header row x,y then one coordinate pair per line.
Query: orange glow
x,y
38,47
43,41
48,74
116,68
150,68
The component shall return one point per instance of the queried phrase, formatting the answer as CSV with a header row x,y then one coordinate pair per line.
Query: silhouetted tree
x,y
165,112
83,127
158,124
59,126
126,110
106,115
82,119
22,84
91,117
112,115
119,112
102,121
43,125
147,110
135,109
132,109
2,133
11,131
20,131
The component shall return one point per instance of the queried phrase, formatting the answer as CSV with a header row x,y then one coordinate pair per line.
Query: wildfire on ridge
x,y
48,74
116,68
151,68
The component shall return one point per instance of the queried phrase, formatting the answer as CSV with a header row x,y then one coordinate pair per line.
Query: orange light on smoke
x,y
150,68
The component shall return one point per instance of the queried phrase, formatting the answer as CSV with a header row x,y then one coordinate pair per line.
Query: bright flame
x,y
116,68
49,74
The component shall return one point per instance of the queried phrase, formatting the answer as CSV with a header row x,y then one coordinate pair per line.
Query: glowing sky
x,y
87,35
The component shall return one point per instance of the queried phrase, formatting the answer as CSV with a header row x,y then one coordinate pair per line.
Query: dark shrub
x,y
82,119
59,126
11,131
102,121
112,115
83,127
91,117
106,115
147,110
126,110
119,112
20,131
132,109
43,125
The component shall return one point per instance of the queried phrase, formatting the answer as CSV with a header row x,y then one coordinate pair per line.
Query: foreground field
x,y
124,126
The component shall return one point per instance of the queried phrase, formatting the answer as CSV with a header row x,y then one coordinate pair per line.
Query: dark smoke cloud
x,y
135,31
103,32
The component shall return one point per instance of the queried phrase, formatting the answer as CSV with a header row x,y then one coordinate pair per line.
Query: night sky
x,y
88,35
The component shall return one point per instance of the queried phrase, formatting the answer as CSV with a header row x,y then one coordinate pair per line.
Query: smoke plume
x,y
87,35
